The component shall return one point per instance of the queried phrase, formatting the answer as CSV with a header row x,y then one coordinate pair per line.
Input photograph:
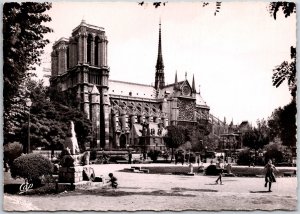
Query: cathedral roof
x,y
170,91
131,89
84,24
200,100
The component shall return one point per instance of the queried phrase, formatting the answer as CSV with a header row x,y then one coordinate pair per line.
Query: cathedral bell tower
x,y
159,74
79,64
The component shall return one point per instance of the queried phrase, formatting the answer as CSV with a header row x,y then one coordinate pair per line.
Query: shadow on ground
x,y
119,192
261,191
177,189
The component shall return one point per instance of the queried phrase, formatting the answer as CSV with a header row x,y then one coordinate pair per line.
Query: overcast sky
x,y
231,54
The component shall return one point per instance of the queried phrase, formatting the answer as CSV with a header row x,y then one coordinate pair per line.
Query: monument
x,y
74,165
71,142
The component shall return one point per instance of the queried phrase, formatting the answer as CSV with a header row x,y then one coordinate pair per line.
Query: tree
x,y
23,43
176,136
257,138
287,8
49,121
283,121
274,151
282,124
286,71
11,152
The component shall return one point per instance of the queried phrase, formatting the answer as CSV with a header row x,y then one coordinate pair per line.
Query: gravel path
x,y
138,191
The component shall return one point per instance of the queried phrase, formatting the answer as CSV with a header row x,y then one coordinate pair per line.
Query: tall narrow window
x,y
89,46
68,57
97,40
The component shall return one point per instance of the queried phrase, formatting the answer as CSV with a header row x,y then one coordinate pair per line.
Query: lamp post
x,y
28,104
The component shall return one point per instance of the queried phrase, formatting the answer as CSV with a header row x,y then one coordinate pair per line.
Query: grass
x,y
238,171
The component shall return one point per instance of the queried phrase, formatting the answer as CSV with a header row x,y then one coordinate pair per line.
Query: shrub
x,y
275,152
12,151
31,167
153,155
212,170
244,157
93,155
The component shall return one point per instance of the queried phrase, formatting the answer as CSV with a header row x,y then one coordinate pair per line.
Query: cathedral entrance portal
x,y
123,141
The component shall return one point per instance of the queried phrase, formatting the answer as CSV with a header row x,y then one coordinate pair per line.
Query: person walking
x,y
270,176
129,157
221,170
198,160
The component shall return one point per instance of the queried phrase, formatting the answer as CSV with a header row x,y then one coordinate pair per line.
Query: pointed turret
x,y
159,75
193,85
176,82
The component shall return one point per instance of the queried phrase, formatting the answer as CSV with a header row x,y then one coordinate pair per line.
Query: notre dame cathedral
x,y
122,113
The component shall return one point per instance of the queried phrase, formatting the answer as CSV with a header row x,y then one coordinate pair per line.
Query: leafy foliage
x,y
286,71
175,136
282,124
31,167
287,8
274,151
12,151
244,157
17,115
258,137
23,43
153,155
49,121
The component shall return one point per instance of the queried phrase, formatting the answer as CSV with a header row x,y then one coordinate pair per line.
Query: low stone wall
x,y
70,174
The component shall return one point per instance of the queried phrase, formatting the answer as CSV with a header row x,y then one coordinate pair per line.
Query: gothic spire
x,y
159,62
159,75
176,82
193,85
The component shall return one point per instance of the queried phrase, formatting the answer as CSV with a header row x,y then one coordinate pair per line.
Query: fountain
x,y
71,142
73,169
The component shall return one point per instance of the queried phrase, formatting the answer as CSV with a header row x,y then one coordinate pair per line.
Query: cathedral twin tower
x,y
118,110
80,64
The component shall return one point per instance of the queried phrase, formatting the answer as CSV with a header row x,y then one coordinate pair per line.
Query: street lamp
x,y
28,104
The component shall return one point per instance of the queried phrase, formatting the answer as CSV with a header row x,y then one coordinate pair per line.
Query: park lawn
x,y
236,170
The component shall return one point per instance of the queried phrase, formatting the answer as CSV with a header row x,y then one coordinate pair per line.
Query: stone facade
x,y
123,114
70,174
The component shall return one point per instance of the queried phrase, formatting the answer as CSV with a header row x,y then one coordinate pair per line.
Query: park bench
x,y
121,161
288,174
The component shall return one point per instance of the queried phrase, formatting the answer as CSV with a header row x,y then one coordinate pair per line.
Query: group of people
x,y
269,174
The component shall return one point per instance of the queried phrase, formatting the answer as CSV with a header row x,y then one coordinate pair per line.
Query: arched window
x,y
97,40
89,47
68,57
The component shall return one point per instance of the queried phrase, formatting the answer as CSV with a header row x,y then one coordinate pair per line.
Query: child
x,y
220,176
270,177
113,180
